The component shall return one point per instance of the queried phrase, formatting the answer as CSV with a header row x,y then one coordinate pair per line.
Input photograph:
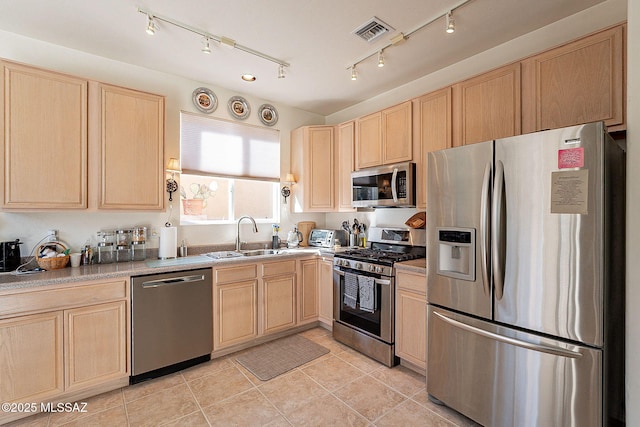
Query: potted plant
x,y
201,192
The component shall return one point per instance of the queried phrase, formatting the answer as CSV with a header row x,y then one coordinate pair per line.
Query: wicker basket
x,y
55,262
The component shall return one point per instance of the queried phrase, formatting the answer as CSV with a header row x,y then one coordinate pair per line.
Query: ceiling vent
x,y
372,29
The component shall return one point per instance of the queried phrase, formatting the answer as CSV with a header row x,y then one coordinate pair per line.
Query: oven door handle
x,y
377,281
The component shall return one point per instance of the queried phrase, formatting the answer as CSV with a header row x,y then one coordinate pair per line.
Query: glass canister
x,y
123,237
123,253
138,250
139,234
107,236
105,253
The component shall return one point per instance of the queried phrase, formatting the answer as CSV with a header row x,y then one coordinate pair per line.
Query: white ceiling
x,y
314,36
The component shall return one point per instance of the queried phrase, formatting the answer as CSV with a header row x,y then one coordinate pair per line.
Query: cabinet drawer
x,y
411,281
54,299
280,267
236,274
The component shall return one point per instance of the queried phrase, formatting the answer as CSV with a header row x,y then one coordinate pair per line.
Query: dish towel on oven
x,y
350,289
367,292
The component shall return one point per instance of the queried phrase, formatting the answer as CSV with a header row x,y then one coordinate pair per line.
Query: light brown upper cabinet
x,y
432,132
44,139
344,165
384,137
128,133
487,106
313,166
576,83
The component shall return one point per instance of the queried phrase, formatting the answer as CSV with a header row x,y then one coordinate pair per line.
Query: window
x,y
228,170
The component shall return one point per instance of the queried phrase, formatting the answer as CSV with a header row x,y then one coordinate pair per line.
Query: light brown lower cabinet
x,y
325,291
308,293
278,296
411,319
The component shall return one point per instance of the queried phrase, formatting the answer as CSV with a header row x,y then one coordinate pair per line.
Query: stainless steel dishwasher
x,y
171,322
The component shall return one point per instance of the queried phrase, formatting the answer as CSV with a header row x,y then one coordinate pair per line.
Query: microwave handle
x,y
394,190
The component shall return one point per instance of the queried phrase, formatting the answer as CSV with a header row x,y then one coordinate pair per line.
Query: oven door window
x,y
360,302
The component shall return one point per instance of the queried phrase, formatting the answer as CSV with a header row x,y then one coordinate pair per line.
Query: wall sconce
x,y
286,191
173,167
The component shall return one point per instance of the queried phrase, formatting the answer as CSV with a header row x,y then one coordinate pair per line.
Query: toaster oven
x,y
326,238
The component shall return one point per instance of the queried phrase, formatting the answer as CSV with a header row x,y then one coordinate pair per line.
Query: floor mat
x,y
269,360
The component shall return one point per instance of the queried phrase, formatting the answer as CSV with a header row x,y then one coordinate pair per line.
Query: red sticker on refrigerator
x,y
571,158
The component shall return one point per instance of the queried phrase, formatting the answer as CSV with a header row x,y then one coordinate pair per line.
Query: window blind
x,y
217,147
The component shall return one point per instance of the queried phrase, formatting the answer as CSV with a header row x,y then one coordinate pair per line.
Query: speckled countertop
x,y
415,265
11,282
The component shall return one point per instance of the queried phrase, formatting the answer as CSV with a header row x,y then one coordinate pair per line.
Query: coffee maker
x,y
10,255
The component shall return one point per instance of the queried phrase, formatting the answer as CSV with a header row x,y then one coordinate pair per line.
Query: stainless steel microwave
x,y
384,186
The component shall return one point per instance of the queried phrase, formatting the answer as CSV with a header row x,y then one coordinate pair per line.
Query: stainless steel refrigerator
x,y
525,279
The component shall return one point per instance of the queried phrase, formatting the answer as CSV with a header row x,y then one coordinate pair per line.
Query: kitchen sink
x,y
224,254
258,252
234,254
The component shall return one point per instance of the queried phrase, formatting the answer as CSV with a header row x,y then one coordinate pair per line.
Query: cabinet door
x,y
44,139
411,328
579,82
308,291
235,311
325,285
432,127
95,344
129,126
344,165
321,187
369,141
487,106
279,303
396,134
31,363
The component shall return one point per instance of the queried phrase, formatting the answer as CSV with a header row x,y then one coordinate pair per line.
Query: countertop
x,y
13,282
415,266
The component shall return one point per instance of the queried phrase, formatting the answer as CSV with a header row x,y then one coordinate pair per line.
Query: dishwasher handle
x,y
173,281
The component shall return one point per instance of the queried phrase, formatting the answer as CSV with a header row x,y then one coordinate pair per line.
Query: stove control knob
x,y
371,267
359,265
379,269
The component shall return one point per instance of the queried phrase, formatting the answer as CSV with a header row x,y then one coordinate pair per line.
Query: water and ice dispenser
x,y
457,253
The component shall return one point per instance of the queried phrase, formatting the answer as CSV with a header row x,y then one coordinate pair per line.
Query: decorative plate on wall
x,y
239,107
268,114
205,100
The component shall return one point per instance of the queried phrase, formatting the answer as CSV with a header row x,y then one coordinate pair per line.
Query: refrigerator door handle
x,y
394,190
556,351
496,230
484,228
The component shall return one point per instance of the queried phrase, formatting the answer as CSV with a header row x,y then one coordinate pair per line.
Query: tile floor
x,y
341,388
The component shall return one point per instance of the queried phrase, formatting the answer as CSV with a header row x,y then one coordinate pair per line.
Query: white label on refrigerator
x,y
570,192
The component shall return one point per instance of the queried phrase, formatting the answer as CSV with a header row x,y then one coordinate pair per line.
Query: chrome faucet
x,y
255,230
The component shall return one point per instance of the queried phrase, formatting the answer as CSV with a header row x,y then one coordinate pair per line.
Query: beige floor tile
x,y
39,420
445,412
318,332
333,373
359,360
254,380
246,409
369,397
95,404
195,419
146,388
410,413
207,368
114,417
219,386
163,406
291,391
326,411
401,379
279,422
328,342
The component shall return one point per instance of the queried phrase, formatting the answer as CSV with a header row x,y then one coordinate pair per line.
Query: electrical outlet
x,y
53,235
154,232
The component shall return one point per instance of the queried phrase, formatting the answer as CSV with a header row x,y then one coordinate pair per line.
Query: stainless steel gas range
x,y
364,290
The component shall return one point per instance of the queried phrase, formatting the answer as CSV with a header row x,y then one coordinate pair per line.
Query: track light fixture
x,y
400,38
451,23
151,28
151,25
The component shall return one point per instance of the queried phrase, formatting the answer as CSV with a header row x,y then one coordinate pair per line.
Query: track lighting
x,y
380,59
151,25
451,23
354,74
207,48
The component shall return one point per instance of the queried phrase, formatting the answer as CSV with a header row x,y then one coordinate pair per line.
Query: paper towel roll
x,y
168,243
